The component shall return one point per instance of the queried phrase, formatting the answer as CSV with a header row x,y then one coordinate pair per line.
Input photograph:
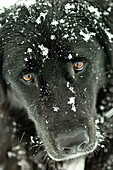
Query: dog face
x,y
53,66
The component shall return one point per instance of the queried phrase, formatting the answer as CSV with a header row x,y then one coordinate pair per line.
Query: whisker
x,y
45,157
107,72
23,134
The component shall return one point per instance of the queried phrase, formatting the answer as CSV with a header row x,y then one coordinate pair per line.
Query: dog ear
x,y
2,85
2,81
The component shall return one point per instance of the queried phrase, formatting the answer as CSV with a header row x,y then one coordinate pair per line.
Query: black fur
x,y
39,40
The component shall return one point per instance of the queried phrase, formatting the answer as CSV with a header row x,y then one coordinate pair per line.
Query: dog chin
x,y
74,155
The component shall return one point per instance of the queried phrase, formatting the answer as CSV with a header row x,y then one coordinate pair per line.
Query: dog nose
x,y
72,143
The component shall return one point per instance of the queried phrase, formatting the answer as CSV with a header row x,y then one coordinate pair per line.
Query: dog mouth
x,y
67,153
73,153
61,157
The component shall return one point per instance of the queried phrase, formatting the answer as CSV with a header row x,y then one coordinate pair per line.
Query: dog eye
x,y
78,66
28,77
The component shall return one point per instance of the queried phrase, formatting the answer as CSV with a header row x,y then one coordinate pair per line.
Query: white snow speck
x,y
23,164
41,15
109,9
87,36
47,3
106,13
54,22
9,72
109,113
16,148
53,37
72,102
70,88
94,10
110,36
46,122
69,6
29,50
66,36
62,21
25,59
70,56
11,154
14,123
102,107
44,50
102,146
32,140
85,89
56,109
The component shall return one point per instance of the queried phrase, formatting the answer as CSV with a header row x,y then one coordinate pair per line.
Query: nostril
x,y
67,150
82,146
71,143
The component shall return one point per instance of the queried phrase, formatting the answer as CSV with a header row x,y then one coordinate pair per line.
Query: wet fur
x,y
16,126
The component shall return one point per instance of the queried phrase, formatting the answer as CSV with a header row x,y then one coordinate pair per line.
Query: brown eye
x,y
28,77
78,66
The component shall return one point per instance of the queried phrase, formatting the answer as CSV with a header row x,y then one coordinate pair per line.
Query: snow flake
x,y
14,123
53,37
56,109
94,10
62,21
40,16
54,22
87,36
46,122
85,89
70,88
70,56
102,146
0,25
109,113
9,72
22,42
110,36
44,50
102,107
106,13
32,140
25,59
72,102
47,3
23,164
109,9
66,36
11,154
69,6
29,50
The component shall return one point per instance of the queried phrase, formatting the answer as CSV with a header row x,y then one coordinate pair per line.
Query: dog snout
x,y
72,143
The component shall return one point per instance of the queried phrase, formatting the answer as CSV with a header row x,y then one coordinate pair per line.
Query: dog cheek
x,y
23,94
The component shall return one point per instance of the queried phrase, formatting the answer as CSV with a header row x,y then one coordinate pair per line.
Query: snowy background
x,y
7,3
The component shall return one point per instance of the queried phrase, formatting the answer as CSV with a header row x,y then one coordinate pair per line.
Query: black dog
x,y
54,57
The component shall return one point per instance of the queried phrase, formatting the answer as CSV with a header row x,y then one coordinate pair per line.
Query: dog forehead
x,y
61,19
59,29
